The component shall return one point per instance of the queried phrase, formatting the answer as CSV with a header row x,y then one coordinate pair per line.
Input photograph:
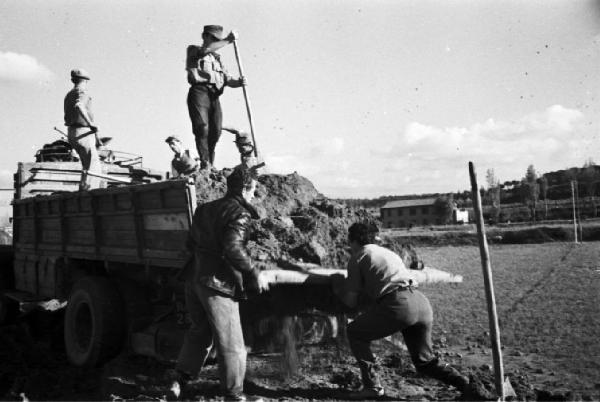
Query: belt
x,y
210,88
399,288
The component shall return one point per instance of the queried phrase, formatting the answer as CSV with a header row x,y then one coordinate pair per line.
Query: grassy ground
x,y
548,299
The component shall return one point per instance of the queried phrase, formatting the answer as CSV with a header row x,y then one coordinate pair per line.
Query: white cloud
x,y
424,158
23,68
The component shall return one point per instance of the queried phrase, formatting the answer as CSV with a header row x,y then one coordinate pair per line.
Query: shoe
x,y
367,393
446,373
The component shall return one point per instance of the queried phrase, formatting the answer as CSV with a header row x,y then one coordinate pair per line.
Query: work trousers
x,y
84,143
215,321
407,311
206,116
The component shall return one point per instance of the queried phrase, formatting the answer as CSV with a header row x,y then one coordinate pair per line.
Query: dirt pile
x,y
297,223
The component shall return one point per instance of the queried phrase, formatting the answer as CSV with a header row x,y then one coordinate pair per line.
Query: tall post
x,y
489,286
574,215
246,97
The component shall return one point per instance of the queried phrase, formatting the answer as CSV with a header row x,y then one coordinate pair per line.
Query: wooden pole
x,y
248,108
489,286
574,216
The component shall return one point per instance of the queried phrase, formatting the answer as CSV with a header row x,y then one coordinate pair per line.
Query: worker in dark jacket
x,y
397,306
222,275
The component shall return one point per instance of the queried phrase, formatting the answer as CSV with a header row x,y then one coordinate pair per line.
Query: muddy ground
x,y
297,224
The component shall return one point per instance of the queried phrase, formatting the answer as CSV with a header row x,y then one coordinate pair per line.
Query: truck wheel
x,y
95,325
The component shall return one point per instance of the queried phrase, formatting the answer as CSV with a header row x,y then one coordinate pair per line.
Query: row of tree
x,y
529,191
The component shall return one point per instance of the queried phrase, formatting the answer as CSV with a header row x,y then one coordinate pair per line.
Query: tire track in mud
x,y
539,284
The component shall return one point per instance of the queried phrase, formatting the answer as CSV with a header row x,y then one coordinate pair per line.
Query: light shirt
x,y
376,271
72,116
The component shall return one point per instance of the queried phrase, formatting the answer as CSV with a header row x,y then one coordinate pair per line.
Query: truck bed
x,y
141,224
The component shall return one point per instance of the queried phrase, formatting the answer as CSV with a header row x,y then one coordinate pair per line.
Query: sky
x,y
364,98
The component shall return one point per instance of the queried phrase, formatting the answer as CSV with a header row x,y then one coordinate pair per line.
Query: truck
x,y
110,258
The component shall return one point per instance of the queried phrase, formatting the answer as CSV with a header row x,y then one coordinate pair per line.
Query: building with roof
x,y
413,212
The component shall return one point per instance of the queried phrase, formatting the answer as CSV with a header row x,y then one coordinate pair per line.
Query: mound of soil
x,y
297,223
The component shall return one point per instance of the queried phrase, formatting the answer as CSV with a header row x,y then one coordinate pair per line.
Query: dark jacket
x,y
217,241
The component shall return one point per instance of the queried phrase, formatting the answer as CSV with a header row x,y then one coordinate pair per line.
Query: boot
x,y
445,373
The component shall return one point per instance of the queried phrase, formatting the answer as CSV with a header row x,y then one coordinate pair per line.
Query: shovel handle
x,y
246,97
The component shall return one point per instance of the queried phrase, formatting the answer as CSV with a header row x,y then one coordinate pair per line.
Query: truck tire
x,y
95,326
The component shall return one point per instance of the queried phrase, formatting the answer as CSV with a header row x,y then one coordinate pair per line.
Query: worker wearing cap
x,y
81,129
182,164
208,78
243,142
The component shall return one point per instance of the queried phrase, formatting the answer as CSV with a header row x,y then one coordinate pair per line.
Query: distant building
x,y
460,215
404,213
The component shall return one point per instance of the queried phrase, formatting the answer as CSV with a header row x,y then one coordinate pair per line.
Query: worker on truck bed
x,y
220,276
208,78
182,164
245,148
81,131
397,306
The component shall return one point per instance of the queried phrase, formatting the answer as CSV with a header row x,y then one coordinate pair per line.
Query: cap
x,y
80,73
172,138
242,138
214,30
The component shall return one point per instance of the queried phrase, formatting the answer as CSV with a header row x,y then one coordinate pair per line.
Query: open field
x,y
548,298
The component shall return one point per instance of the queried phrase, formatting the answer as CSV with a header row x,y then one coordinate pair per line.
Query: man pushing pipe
x,y
397,306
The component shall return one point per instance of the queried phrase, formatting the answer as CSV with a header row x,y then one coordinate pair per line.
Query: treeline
x,y
526,199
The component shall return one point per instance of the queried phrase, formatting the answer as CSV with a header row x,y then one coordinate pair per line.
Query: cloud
x,y
23,68
423,158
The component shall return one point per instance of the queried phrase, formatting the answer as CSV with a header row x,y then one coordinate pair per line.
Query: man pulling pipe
x,y
397,306
221,275
208,78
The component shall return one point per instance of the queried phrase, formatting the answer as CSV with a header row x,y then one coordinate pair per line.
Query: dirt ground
x,y
547,295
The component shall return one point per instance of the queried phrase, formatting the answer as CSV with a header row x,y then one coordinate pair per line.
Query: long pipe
x,y
489,285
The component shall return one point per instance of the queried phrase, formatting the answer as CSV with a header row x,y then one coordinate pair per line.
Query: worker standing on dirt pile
x,y
208,78
221,275
82,133
182,165
398,306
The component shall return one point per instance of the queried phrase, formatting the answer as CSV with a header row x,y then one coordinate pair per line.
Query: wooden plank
x,y
119,222
180,255
81,237
80,221
46,277
50,223
56,249
171,221
123,202
174,198
51,236
165,239
139,223
87,251
120,238
109,251
148,200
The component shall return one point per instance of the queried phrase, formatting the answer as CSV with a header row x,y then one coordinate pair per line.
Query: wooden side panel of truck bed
x,y
142,224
